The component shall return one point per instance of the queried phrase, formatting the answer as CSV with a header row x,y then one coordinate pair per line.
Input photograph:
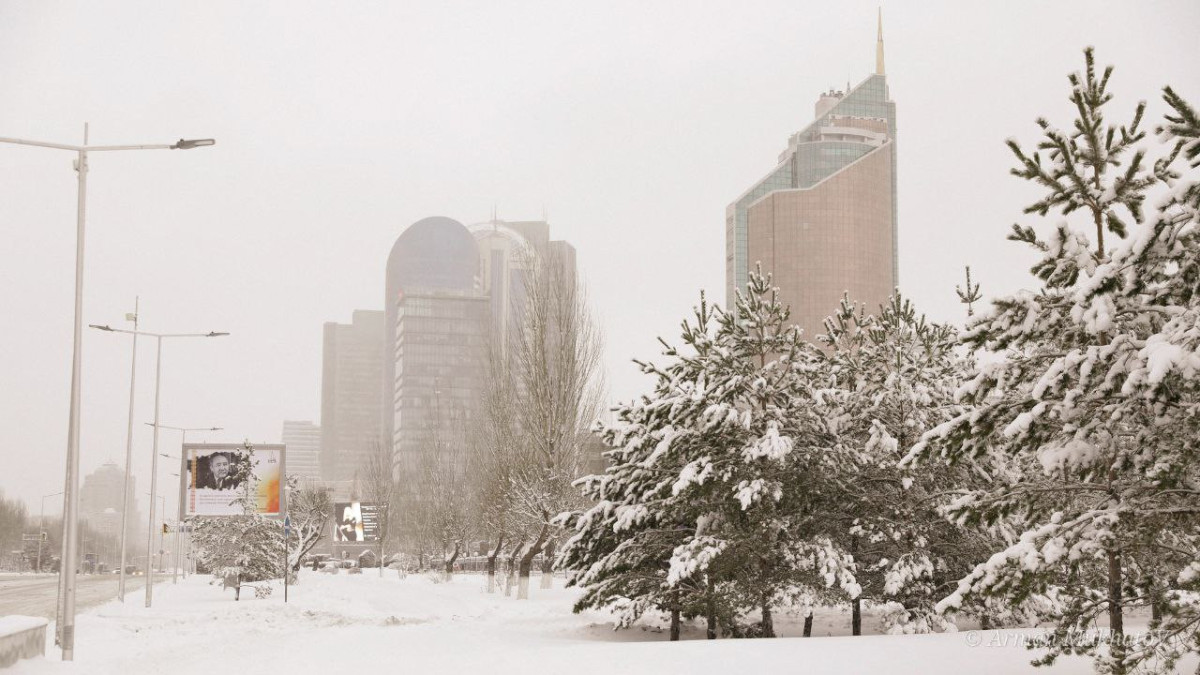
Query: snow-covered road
x,y
362,623
37,594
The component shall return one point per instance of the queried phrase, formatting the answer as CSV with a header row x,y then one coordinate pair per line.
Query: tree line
x,y
1038,466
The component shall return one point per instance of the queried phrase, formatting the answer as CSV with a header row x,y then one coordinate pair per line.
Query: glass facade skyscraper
x,y
823,221
435,336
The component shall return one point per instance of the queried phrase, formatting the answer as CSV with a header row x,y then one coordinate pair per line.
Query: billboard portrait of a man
x,y
215,476
219,475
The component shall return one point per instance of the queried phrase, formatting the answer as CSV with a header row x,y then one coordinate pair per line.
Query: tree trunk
x,y
675,628
711,611
1116,619
808,619
985,622
856,617
450,562
491,565
548,566
511,573
768,623
527,563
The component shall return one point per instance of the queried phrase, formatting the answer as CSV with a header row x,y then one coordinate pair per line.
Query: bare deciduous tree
x,y
309,507
379,490
556,371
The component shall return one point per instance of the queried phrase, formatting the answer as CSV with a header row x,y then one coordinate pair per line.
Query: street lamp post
x,y
150,547
157,399
65,626
175,548
183,441
128,456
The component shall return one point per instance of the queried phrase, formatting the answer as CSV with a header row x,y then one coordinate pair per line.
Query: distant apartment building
x,y
351,426
100,500
303,442
823,221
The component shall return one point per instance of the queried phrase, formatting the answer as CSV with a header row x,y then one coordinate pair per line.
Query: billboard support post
x,y
287,530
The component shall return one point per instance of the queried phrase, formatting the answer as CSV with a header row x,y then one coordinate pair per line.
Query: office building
x,y
436,337
303,442
100,500
823,221
351,405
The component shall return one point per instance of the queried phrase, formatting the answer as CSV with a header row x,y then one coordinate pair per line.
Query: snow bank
x,y
15,623
362,623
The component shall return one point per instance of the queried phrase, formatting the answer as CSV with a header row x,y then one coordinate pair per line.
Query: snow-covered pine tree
x,y
891,377
721,463
619,549
244,549
1095,399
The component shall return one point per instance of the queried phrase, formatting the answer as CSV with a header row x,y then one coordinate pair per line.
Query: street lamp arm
x,y
105,148
42,144
110,329
167,426
181,144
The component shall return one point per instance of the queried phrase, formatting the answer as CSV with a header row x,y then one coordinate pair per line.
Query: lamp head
x,y
186,144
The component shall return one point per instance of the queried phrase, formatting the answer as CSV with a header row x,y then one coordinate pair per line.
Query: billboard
x,y
355,522
214,475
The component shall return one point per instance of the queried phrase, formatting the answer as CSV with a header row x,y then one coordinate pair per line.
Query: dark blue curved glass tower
x,y
435,331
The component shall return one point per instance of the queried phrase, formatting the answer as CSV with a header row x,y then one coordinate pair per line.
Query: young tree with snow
x,y
309,507
243,549
1095,395
887,379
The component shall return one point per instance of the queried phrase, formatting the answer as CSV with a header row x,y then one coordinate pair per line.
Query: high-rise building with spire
x,y
823,221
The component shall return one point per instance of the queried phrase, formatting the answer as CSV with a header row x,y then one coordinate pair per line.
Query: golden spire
x,y
879,46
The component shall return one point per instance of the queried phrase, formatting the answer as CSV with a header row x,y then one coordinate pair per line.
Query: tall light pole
x,y
149,557
65,626
42,530
175,550
157,399
128,454
183,441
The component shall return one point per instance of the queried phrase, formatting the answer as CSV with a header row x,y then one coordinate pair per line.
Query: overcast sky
x,y
338,124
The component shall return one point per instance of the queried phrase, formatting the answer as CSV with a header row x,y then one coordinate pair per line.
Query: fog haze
x,y
629,126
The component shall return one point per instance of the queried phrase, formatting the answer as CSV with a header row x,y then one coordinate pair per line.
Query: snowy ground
x,y
361,623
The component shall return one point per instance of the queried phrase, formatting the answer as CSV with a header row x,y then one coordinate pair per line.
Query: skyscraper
x,y
823,221
507,255
303,442
435,338
351,406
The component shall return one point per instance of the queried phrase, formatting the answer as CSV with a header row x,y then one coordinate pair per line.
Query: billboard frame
x,y
188,449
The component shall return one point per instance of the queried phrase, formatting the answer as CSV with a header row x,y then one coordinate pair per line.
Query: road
x,y
36,595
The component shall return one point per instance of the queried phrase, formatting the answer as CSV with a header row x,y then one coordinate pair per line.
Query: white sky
x,y
632,124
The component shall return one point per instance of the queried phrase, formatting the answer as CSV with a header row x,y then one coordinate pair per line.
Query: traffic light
x,y
165,528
